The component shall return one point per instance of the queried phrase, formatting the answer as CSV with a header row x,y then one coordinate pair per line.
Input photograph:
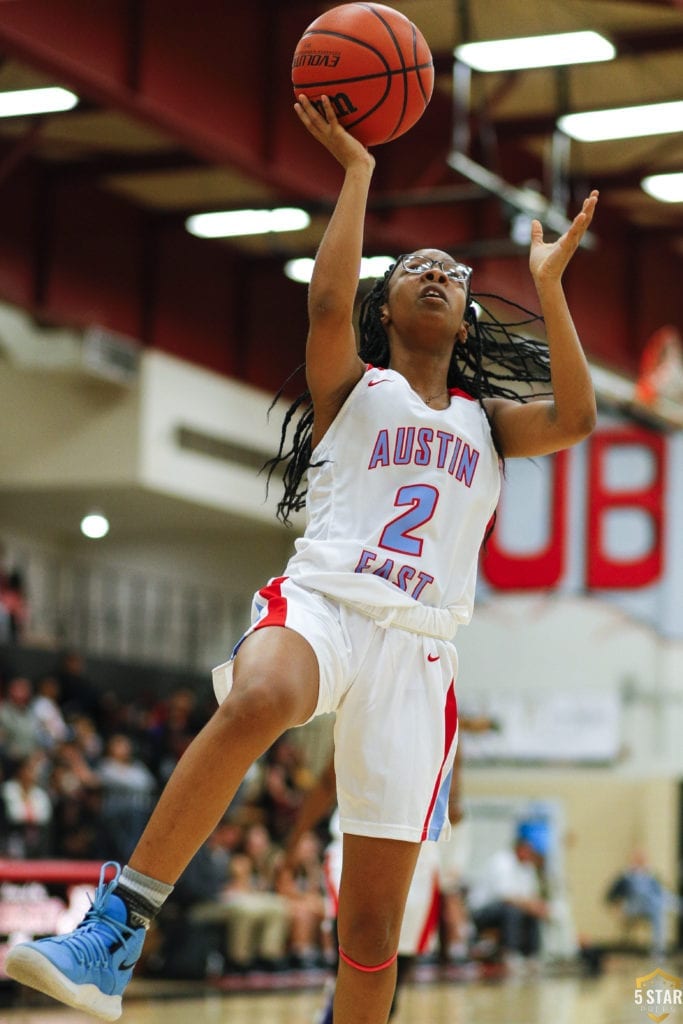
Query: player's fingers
x,y
309,113
536,231
330,115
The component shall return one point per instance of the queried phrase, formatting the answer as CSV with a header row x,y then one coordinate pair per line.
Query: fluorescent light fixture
x,y
95,525
229,223
536,51
301,269
668,188
36,101
623,122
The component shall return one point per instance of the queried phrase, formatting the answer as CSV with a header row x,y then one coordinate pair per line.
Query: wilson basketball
x,y
374,65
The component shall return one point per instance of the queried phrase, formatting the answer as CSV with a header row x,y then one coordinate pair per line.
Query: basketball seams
x,y
313,84
399,50
419,76
393,40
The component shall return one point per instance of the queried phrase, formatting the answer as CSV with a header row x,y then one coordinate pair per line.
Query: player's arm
x,y
541,427
333,366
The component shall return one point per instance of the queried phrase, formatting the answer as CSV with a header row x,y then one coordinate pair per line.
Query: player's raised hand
x,y
327,130
548,260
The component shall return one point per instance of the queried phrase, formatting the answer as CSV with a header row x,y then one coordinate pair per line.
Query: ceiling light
x,y
668,188
623,122
535,51
95,525
36,101
301,269
229,223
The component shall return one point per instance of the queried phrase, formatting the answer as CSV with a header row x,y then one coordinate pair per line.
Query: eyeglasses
x,y
415,264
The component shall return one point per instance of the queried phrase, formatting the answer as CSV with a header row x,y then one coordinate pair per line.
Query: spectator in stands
x,y
78,694
257,918
27,811
301,882
14,604
285,778
174,723
53,728
128,790
640,894
20,732
87,739
76,796
506,898
4,613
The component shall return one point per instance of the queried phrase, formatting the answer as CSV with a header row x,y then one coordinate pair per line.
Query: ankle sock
x,y
144,896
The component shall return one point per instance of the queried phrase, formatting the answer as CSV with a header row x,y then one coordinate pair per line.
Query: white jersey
x,y
399,498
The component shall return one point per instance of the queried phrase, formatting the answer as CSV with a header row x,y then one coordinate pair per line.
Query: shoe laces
x,y
92,941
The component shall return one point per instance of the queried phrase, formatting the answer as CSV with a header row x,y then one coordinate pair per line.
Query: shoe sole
x,y
31,968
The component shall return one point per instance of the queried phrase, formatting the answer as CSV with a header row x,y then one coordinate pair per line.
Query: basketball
x,y
374,65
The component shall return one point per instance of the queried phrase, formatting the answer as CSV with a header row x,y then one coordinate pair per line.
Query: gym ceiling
x,y
187,106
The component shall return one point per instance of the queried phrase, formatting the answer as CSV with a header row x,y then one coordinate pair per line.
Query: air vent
x,y
111,356
217,448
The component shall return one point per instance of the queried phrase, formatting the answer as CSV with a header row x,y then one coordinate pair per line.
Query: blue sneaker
x,y
90,967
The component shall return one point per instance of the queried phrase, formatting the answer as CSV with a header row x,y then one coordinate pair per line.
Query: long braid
x,y
492,363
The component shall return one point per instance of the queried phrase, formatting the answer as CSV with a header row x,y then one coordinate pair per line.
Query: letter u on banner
x,y
603,569
508,571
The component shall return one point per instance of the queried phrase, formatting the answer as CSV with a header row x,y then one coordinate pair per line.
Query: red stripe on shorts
x,y
276,614
432,922
451,724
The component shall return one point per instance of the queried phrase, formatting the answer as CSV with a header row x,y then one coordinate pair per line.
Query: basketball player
x,y
403,460
434,898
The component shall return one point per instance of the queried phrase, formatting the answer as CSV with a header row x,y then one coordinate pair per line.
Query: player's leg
x,y
376,877
275,686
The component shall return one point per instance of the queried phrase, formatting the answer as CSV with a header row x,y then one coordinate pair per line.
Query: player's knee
x,y
269,696
368,937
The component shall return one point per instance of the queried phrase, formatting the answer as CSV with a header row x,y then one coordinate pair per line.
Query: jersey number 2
x,y
396,535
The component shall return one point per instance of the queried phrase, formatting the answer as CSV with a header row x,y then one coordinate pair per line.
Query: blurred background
x,y
138,363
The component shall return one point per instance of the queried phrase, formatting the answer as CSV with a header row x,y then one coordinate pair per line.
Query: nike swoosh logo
x,y
372,383
433,657
127,967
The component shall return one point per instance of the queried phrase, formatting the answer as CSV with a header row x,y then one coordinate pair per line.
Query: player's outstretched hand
x,y
548,260
330,133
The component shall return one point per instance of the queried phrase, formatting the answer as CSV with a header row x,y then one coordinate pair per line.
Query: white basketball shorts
x,y
396,725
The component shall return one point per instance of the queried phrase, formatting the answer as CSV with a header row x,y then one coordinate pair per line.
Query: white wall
x,y
535,645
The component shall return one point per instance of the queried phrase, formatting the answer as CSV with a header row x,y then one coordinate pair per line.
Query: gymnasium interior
x,y
139,367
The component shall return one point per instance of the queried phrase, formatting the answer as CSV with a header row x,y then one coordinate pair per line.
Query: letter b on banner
x,y
642,501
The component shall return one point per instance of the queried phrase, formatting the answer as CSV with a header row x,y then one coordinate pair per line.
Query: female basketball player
x,y
403,479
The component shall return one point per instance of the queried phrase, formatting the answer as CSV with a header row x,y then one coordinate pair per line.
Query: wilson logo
x,y
341,105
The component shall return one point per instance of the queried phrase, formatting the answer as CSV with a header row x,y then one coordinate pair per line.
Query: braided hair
x,y
493,362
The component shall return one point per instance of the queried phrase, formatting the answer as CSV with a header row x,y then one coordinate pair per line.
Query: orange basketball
x,y
374,65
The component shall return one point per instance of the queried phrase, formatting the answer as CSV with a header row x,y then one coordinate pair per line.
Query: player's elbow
x,y
579,425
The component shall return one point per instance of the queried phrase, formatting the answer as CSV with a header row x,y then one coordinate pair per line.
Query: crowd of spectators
x,y
81,769
79,774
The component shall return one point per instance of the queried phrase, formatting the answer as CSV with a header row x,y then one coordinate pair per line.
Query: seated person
x,y
641,895
506,897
